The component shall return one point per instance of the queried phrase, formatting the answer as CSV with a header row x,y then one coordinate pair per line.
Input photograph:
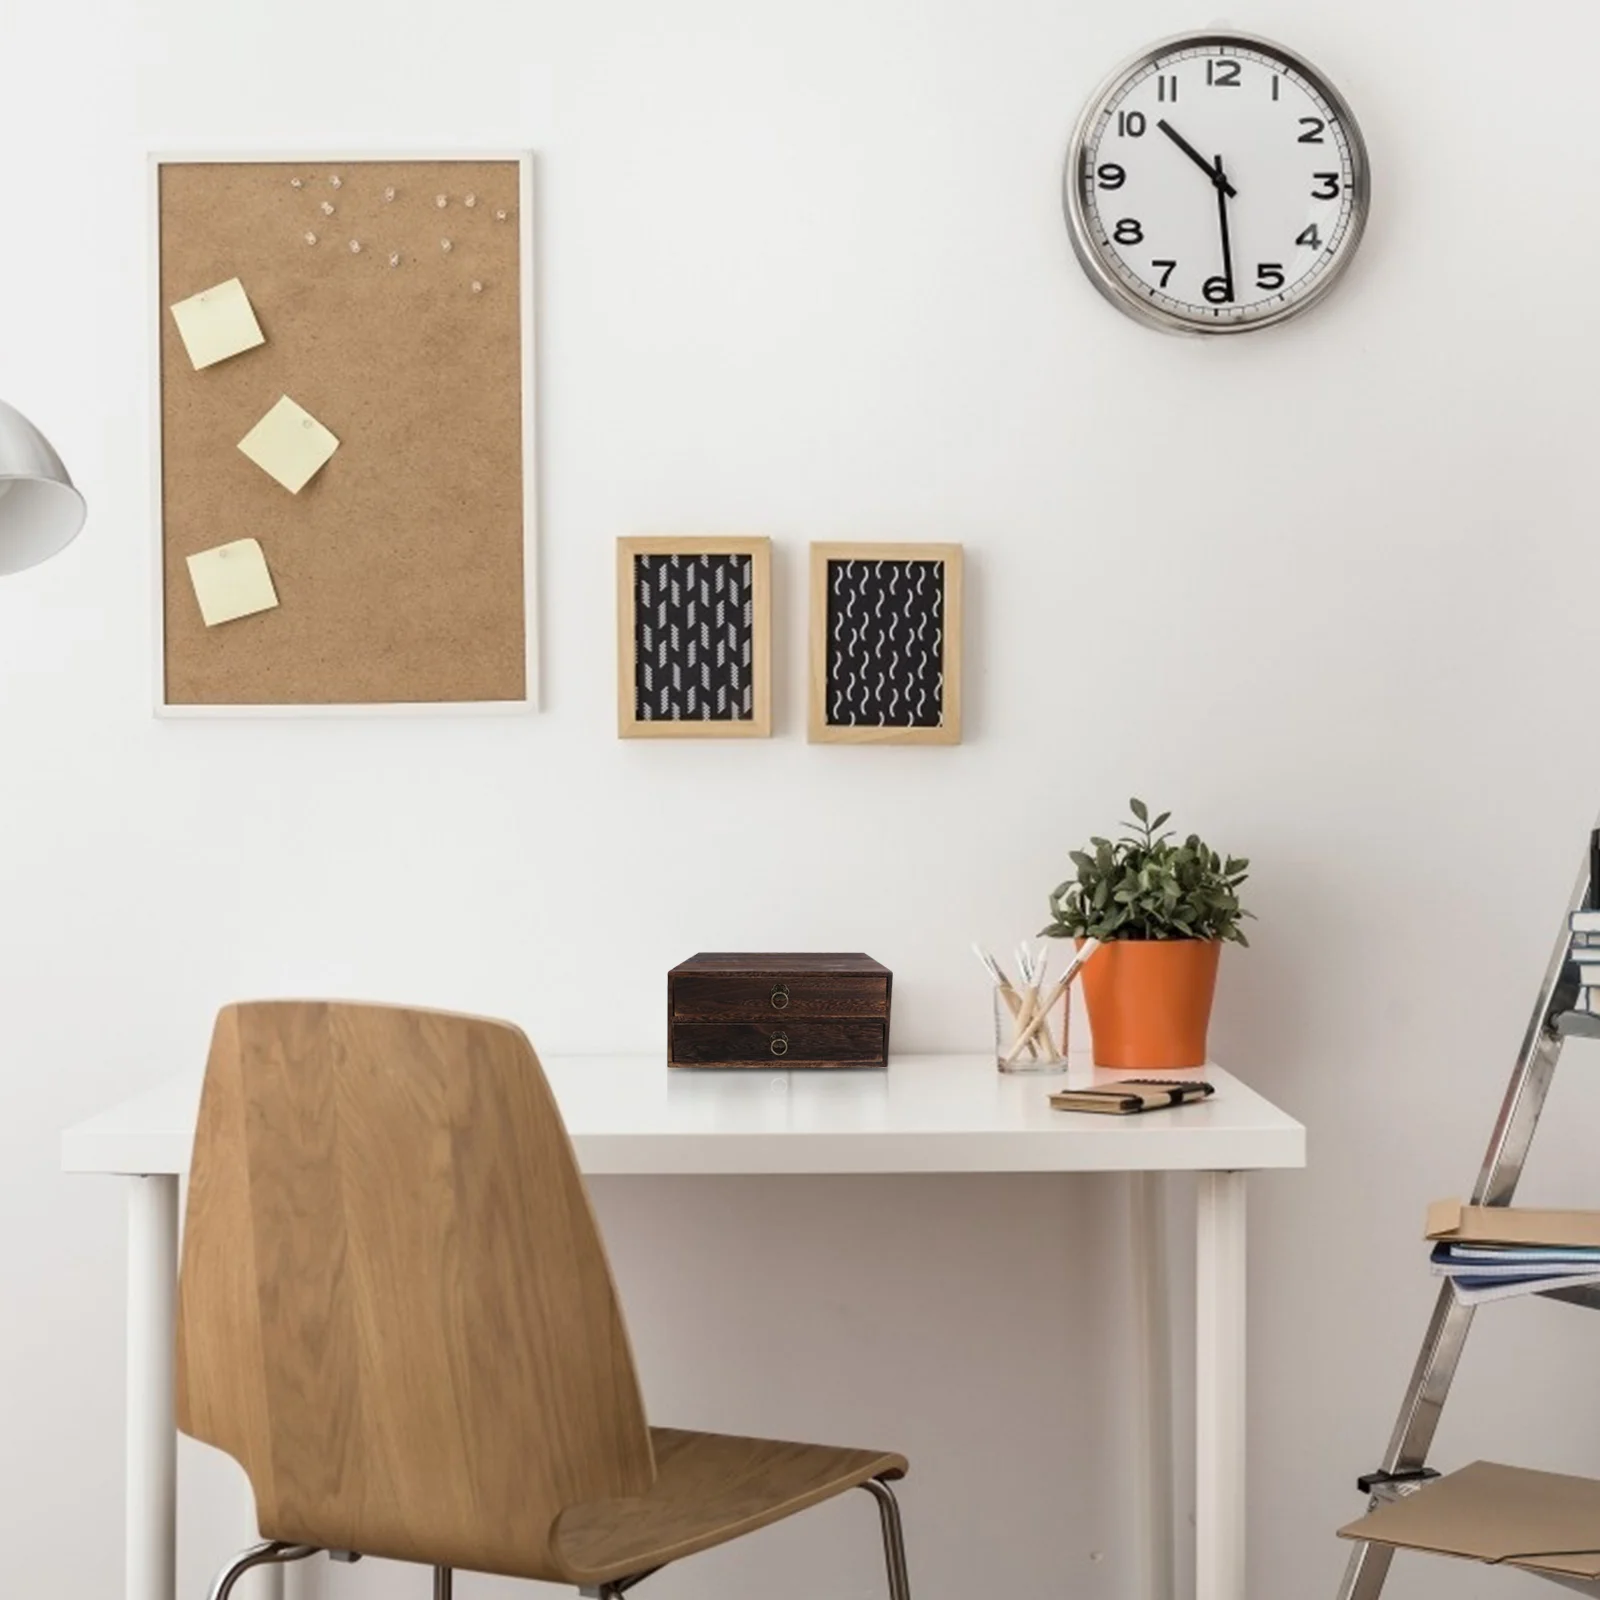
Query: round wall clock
x,y
1216,183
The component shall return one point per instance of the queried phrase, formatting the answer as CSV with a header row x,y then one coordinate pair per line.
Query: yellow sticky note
x,y
232,581
217,323
289,444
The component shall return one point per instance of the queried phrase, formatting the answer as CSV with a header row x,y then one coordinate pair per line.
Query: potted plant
x,y
1162,912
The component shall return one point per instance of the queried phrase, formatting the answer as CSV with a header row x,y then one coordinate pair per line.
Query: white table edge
x,y
773,1155
151,1133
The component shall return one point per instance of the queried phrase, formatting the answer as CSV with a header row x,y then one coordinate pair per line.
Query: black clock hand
x,y
1223,191
1194,155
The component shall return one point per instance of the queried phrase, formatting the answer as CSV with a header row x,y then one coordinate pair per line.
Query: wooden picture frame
x,y
730,653
246,641
895,709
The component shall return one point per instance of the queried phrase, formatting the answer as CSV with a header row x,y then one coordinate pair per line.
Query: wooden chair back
x,y
395,1310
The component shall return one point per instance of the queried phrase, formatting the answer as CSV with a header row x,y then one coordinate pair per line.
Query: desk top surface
x,y
631,1114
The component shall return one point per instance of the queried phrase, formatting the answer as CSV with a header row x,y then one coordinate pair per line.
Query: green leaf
x,y
1142,886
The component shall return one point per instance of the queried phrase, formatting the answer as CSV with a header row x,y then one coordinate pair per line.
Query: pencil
x,y
1087,949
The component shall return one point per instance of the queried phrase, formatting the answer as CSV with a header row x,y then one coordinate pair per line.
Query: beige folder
x,y
1462,1224
1542,1521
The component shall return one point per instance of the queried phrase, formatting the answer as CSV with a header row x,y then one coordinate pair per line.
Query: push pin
x,y
446,246
394,258
310,237
469,200
477,287
336,182
297,183
355,247
441,200
388,194
327,208
500,215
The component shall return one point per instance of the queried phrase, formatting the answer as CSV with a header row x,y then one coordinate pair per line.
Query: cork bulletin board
x,y
393,305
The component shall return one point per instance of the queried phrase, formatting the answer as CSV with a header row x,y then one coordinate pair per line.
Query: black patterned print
x,y
693,627
885,644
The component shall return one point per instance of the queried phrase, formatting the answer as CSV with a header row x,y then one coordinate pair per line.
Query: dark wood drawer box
x,y
777,1044
701,996
793,1010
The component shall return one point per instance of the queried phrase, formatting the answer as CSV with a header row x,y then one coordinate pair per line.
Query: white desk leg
x,y
152,1442
152,1487
1152,1305
1220,1388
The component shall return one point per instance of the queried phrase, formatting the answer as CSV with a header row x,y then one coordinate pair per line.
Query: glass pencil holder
x,y
1025,1041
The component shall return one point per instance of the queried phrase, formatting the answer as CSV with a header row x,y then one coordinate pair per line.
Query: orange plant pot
x,y
1149,1002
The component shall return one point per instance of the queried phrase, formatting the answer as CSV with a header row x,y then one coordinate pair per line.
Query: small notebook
x,y
1131,1096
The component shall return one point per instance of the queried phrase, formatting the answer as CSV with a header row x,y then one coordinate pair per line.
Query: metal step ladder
x,y
1554,1021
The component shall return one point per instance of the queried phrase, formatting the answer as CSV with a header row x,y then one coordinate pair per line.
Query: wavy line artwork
x,y
885,644
693,638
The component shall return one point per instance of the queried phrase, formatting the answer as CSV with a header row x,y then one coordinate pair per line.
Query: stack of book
x,y
1586,955
1495,1252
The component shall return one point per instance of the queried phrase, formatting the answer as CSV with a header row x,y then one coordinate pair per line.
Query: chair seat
x,y
709,1488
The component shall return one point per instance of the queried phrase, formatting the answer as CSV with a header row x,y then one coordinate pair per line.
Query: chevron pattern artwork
x,y
693,638
885,644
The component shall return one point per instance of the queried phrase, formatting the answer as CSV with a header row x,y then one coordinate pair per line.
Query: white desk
x,y
628,1114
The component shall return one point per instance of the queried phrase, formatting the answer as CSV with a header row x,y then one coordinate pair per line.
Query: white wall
x,y
804,273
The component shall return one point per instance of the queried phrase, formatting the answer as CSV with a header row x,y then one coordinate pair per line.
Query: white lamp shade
x,y
40,510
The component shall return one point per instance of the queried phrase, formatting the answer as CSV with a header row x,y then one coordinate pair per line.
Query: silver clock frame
x,y
1098,269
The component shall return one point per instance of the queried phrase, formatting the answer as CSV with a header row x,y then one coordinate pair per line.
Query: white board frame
x,y
530,435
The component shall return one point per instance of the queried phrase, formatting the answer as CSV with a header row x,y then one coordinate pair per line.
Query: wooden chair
x,y
396,1314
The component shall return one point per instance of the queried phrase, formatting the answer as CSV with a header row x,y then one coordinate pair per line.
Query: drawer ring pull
x,y
780,997
780,1044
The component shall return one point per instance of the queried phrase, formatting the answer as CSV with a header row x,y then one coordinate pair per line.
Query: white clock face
x,y
1216,184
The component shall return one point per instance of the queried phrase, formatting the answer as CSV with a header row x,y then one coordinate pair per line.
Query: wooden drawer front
x,y
777,1044
747,996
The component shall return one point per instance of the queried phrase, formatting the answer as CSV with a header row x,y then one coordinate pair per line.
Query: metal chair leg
x,y
617,1587
260,1555
444,1583
894,1543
